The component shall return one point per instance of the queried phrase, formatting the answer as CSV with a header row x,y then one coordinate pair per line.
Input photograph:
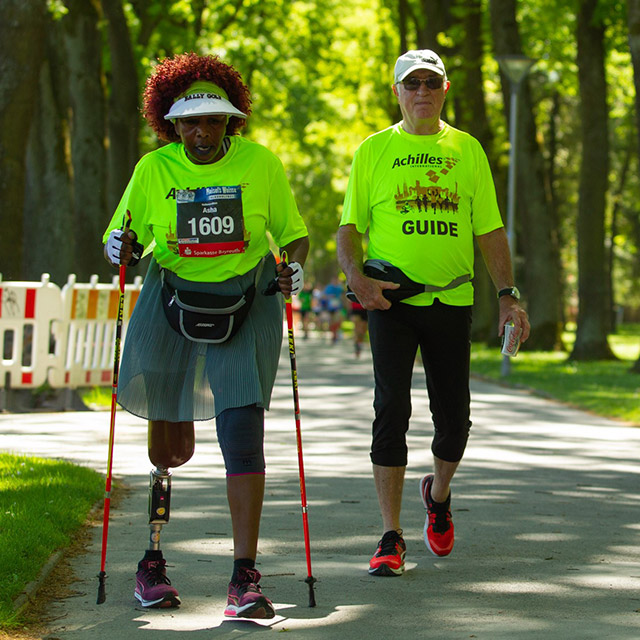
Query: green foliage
x,y
42,503
320,75
606,388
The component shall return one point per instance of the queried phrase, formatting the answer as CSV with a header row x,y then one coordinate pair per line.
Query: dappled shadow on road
x,y
546,507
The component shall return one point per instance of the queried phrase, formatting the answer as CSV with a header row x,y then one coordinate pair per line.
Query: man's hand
x,y
511,311
370,292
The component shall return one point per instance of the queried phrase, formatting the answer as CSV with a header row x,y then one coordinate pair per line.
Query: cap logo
x,y
202,96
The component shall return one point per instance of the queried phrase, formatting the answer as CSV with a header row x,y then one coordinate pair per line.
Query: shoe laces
x,y
389,543
440,520
248,581
154,572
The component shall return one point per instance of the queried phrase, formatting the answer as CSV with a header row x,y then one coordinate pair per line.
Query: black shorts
x,y
443,333
359,313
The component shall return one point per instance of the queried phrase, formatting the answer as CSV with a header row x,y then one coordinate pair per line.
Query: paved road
x,y
546,507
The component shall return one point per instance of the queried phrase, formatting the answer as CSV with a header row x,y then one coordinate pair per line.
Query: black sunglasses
x,y
413,84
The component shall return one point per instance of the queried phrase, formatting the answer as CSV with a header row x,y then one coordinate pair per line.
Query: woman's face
x,y
202,137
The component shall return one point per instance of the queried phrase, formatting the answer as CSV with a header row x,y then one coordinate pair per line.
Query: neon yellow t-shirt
x,y
252,178
423,198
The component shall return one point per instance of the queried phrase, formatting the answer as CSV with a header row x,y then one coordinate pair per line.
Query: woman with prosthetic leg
x,y
204,340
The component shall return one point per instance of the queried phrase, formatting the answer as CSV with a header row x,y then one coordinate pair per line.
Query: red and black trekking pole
x,y
310,580
114,395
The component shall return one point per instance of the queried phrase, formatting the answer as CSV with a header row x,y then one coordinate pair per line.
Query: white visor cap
x,y
421,59
202,104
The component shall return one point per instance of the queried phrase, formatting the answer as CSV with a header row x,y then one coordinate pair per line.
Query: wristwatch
x,y
509,291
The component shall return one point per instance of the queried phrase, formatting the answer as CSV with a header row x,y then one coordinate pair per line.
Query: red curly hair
x,y
173,76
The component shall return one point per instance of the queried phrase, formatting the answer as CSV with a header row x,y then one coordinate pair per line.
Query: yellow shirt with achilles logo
x,y
266,201
423,198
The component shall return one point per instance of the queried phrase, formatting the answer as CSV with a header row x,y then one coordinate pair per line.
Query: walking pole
x,y
114,394
310,580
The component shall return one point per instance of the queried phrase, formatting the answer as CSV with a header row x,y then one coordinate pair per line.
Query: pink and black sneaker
x,y
153,588
245,598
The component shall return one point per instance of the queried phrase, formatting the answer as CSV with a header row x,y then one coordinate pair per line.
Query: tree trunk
x,y
471,116
436,17
22,36
633,13
47,210
123,114
591,336
83,45
403,15
536,226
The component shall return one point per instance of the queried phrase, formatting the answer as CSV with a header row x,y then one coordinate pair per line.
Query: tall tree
x,y
47,210
591,335
633,17
83,46
22,37
123,120
471,116
536,223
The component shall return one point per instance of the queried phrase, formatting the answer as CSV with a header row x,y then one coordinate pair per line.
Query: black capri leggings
x,y
443,334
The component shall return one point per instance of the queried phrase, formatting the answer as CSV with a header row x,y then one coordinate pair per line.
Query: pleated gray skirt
x,y
164,376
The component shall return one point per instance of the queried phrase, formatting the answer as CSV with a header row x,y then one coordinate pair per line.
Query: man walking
x,y
423,190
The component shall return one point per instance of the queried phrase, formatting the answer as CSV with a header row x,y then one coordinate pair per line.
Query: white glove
x,y
297,278
114,244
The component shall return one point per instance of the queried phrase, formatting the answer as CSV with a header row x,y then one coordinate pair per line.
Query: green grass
x,y
606,388
42,504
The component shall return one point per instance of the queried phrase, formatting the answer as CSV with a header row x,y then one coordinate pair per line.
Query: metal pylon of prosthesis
x,y
159,503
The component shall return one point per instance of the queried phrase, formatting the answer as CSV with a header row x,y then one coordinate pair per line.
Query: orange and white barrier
x,y
30,321
64,338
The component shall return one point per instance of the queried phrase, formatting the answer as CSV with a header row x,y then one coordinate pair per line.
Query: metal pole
x,y
511,195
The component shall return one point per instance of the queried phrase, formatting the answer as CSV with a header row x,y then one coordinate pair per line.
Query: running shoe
x,y
438,527
245,598
153,588
388,559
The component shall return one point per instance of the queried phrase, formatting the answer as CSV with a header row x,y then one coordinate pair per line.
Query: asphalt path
x,y
546,506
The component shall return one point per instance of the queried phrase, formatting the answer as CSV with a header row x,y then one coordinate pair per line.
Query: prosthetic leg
x,y
170,444
159,503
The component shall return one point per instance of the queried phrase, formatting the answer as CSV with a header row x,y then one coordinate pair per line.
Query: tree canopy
x,y
320,74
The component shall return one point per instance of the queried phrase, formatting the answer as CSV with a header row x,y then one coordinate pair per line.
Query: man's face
x,y
422,103
202,137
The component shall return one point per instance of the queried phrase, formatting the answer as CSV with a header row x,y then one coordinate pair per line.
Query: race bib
x,y
210,222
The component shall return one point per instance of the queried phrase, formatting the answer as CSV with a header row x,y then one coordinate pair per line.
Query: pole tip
x,y
310,580
102,592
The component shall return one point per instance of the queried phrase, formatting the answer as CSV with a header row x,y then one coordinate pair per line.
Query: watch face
x,y
510,291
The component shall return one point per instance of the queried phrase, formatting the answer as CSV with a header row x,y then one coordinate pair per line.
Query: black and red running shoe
x,y
438,526
388,559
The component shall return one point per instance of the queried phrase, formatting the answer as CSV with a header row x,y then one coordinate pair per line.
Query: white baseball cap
x,y
203,99
418,59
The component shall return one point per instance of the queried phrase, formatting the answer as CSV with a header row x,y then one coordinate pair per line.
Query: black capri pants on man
x,y
443,333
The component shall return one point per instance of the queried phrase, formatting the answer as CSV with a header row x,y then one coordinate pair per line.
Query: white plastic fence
x,y
62,337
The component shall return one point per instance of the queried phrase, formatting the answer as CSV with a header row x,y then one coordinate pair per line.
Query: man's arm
x,y
495,251
350,258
